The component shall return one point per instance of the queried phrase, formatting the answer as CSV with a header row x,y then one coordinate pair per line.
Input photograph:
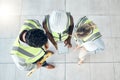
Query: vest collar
x,y
23,43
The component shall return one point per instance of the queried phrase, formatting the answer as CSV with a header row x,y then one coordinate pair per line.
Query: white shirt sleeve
x,y
20,63
90,46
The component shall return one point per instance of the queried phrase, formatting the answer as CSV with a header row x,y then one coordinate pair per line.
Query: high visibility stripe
x,y
48,24
84,20
32,22
22,51
94,36
37,22
81,21
30,25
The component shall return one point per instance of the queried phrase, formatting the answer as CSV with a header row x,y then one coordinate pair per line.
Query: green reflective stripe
x,y
30,25
87,21
56,38
94,36
94,32
82,21
64,36
33,23
22,51
37,22
37,57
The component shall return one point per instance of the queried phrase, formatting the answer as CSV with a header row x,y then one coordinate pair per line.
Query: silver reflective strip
x,y
95,36
47,17
31,25
68,23
81,21
37,22
22,51
84,19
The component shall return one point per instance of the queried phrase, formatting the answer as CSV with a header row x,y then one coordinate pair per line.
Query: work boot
x,y
49,66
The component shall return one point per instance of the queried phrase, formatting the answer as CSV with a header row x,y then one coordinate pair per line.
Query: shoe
x,y
80,62
49,66
49,51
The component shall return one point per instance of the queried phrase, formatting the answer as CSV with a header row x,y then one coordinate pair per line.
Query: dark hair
x,y
36,38
84,30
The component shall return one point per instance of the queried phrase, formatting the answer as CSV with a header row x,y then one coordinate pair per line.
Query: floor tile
x,y
117,71
56,74
77,72
7,72
102,71
41,7
78,7
5,48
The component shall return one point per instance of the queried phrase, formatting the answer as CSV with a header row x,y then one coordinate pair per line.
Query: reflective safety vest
x,y
28,53
59,36
95,33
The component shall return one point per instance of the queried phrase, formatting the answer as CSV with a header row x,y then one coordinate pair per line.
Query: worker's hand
x,y
39,64
49,51
47,46
67,42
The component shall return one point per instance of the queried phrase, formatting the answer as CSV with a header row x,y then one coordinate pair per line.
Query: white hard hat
x,y
58,21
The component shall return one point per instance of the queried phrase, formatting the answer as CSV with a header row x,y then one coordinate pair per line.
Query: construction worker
x,y
88,38
59,27
30,47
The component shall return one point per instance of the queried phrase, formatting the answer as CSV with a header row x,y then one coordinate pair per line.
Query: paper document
x,y
62,49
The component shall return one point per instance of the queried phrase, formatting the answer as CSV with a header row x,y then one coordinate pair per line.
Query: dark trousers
x,y
45,64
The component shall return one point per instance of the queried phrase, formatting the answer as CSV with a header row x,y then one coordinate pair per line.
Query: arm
x,y
50,36
68,40
71,26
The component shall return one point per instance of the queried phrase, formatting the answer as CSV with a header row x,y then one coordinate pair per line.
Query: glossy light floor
x,y
101,66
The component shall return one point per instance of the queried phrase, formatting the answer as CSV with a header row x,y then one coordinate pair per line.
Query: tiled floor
x,y
101,66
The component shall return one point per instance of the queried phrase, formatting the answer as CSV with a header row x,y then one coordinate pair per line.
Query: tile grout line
x,y
65,67
113,62
114,70
90,70
15,73
90,67
21,9
65,4
71,62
